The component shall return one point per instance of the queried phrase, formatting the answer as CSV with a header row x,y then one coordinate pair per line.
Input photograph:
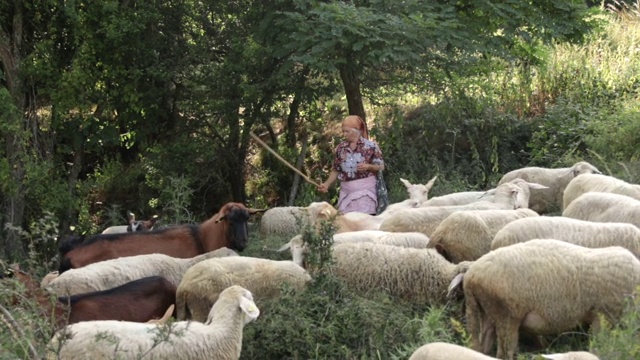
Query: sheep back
x,y
580,232
467,235
417,275
445,351
604,207
203,282
281,221
598,183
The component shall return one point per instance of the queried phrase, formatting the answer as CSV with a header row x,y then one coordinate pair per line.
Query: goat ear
x,y
256,211
131,217
249,308
406,183
154,219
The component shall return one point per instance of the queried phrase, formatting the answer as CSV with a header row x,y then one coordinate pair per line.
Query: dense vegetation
x,y
147,106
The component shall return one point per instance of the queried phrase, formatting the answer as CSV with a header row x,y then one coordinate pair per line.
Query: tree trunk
x,y
299,164
14,137
294,108
351,83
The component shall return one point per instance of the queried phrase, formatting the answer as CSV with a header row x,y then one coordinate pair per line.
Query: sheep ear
x,y
457,281
406,183
249,308
256,211
284,247
536,186
429,185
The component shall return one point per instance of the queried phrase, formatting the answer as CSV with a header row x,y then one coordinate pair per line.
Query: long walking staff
x,y
281,159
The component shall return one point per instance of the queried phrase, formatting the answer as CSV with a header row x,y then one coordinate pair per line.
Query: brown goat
x,y
139,301
227,228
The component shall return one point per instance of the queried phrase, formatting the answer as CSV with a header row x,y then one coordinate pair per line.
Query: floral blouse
x,y
347,160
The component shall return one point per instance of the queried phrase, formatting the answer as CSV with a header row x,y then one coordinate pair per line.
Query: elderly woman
x,y
356,163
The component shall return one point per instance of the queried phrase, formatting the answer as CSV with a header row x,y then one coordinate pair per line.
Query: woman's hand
x,y
363,167
323,188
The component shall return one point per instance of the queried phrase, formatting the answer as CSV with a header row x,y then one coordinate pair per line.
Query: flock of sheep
x,y
518,269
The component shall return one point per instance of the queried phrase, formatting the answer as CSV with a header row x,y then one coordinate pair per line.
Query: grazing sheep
x,y
133,226
467,235
111,273
598,183
555,179
220,338
445,351
204,281
282,221
426,219
573,355
454,199
584,233
417,275
544,287
604,207
409,239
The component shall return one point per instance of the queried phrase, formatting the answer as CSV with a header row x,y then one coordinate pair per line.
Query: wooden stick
x,y
256,138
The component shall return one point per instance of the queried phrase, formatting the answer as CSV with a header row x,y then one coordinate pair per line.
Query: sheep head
x,y
583,167
419,192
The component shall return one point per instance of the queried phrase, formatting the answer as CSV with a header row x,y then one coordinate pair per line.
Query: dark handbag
x,y
383,195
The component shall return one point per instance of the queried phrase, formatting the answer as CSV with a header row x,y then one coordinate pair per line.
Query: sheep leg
x,y
473,312
507,334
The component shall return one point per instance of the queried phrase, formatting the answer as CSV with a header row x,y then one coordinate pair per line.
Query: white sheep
x,y
418,194
469,197
544,287
283,221
353,221
544,201
409,239
426,219
108,274
584,233
598,183
203,282
47,279
604,207
572,355
219,338
417,275
467,235
446,351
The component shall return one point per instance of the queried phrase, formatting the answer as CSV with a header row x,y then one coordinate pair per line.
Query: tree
x,y
371,44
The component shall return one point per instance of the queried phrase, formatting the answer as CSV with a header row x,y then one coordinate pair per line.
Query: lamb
x,y
555,179
467,235
111,273
598,183
604,207
446,351
219,338
544,287
426,219
204,281
584,233
417,275
133,226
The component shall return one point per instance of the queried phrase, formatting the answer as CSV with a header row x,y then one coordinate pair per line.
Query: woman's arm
x,y
333,176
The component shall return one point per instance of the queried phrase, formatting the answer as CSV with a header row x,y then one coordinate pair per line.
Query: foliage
x,y
620,341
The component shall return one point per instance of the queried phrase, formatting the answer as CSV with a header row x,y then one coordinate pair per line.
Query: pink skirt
x,y
358,195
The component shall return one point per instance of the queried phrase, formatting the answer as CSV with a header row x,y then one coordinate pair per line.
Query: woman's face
x,y
350,134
